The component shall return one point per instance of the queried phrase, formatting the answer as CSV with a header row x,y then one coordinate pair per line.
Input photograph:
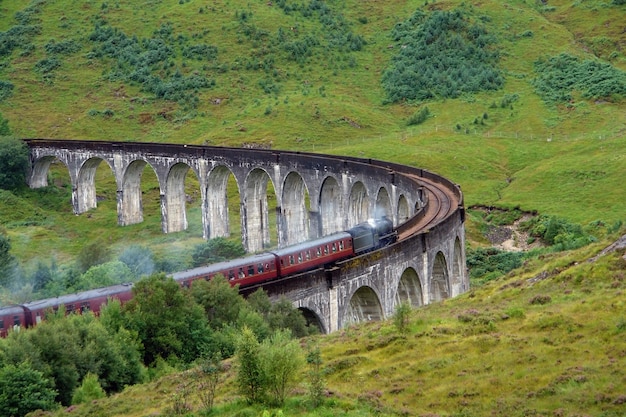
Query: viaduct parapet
x,y
315,195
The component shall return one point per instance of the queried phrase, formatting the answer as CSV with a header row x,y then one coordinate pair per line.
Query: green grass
x,y
547,339
564,160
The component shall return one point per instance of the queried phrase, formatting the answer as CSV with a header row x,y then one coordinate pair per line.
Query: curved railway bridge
x,y
285,198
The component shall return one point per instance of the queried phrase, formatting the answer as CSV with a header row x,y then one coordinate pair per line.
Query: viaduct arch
x,y
314,195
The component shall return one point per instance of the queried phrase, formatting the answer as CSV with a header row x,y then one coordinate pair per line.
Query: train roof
x,y
223,266
78,297
311,243
12,309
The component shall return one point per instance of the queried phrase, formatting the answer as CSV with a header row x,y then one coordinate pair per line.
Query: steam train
x,y
280,263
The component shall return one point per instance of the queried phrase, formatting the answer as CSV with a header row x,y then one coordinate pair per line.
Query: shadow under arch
x,y
85,196
358,207
410,289
330,205
439,289
175,209
130,205
456,281
295,214
218,202
256,234
403,209
364,306
312,319
383,204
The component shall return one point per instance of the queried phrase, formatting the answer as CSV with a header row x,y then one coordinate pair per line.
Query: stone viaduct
x,y
315,195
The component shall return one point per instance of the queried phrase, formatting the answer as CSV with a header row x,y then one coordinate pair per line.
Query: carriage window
x,y
250,269
1,324
319,252
231,274
85,306
341,245
334,247
326,250
290,259
241,274
259,268
308,255
70,308
267,267
16,321
300,258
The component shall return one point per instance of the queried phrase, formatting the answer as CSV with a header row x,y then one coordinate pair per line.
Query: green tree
x,y
89,390
139,260
23,389
14,162
279,315
5,130
315,375
166,319
220,300
282,360
402,316
250,378
7,262
43,275
66,349
104,275
92,254
216,250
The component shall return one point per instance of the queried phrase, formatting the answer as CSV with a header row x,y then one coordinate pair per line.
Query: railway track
x,y
441,203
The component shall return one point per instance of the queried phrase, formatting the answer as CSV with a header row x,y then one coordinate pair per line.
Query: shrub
x,y
442,55
250,377
63,47
492,261
558,76
89,390
6,90
557,232
14,162
23,390
402,316
282,361
540,299
419,117
216,250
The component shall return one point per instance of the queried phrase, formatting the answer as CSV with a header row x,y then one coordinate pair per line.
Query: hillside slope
x,y
545,340
308,76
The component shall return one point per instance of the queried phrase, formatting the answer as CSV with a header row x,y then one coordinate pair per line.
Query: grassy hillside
x,y
308,77
547,340
550,138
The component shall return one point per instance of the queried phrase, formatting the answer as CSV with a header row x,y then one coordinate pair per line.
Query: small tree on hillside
x,y
250,375
402,317
92,254
315,375
8,264
89,390
14,161
210,369
282,361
